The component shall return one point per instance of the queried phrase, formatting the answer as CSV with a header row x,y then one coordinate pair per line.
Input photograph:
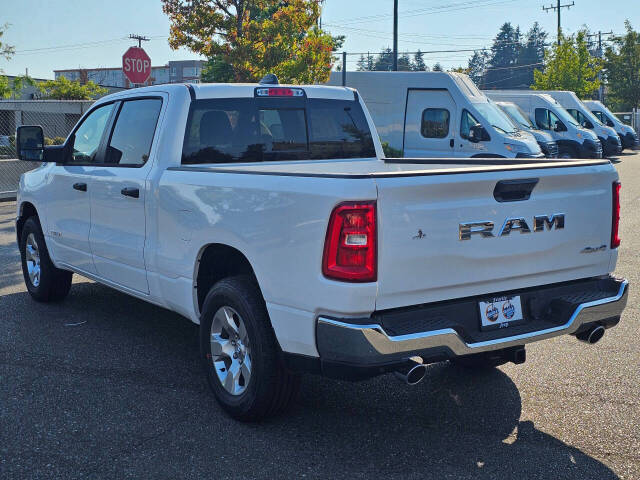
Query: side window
x,y
88,135
466,123
600,116
435,123
132,135
542,119
553,119
575,114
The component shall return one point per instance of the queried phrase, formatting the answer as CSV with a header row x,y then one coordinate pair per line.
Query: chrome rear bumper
x,y
369,344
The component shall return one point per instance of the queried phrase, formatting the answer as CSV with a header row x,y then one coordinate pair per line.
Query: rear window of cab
x,y
270,129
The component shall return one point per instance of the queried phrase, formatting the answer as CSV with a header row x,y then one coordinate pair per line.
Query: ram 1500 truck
x,y
268,215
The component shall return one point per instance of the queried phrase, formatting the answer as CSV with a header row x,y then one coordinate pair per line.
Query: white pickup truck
x,y
268,215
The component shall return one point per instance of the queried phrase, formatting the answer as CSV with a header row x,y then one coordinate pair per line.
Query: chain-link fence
x,y
57,118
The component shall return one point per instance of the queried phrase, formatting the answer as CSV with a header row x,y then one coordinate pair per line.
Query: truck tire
x,y
240,353
44,281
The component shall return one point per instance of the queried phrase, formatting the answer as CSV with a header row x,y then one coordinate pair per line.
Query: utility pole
x,y
139,38
557,8
395,35
600,54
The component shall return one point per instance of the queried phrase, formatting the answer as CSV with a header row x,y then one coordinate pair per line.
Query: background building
x,y
178,71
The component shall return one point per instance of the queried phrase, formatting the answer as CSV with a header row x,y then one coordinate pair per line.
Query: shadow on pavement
x,y
106,385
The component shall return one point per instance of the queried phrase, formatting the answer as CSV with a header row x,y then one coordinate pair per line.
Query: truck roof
x,y
234,90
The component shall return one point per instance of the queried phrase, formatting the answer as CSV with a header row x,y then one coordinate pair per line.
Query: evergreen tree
x,y
404,63
478,67
505,53
532,54
437,67
418,64
384,61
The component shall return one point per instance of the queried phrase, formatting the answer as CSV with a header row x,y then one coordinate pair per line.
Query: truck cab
x,y
521,120
628,136
548,115
438,114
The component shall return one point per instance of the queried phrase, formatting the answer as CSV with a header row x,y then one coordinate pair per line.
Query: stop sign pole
x,y
136,65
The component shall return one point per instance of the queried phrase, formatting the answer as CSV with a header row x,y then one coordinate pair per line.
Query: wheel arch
x,y
27,210
214,262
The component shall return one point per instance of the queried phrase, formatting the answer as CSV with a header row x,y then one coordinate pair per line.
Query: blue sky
x,y
93,33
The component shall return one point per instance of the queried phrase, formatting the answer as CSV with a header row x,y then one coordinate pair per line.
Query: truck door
x,y
429,129
68,207
118,194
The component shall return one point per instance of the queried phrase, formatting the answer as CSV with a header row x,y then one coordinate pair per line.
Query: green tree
x,y
404,63
64,89
622,63
532,54
6,51
418,64
569,66
384,61
365,64
503,60
217,70
437,67
255,37
477,67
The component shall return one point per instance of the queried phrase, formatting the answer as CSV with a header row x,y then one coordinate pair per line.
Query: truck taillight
x,y
615,216
350,246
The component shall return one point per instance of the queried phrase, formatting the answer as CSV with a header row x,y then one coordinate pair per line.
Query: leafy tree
x,y
64,89
418,64
622,62
569,66
251,38
13,88
6,51
437,67
216,70
384,61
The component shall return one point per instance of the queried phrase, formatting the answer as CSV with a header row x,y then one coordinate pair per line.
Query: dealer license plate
x,y
500,312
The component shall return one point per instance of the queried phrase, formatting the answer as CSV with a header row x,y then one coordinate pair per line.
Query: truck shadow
x,y
140,398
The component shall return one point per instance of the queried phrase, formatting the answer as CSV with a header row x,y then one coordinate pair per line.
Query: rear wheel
x,y
240,354
44,281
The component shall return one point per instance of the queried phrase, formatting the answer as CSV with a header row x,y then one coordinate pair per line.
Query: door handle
x,y
451,143
130,192
82,187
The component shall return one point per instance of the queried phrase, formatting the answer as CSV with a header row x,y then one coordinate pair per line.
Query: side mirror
x,y
559,127
30,143
477,133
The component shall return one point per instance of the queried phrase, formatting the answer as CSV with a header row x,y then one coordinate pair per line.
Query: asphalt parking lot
x,y
106,386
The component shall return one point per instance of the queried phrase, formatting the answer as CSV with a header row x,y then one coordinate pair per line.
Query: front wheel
x,y
44,281
240,353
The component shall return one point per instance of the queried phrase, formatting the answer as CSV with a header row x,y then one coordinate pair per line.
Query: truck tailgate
x,y
421,257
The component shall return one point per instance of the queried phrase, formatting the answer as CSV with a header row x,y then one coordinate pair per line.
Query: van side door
x,y
429,124
118,193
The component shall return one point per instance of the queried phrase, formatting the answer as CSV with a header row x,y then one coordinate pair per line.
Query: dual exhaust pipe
x,y
415,370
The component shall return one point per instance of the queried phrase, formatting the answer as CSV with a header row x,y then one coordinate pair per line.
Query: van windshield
x,y
495,117
516,114
230,130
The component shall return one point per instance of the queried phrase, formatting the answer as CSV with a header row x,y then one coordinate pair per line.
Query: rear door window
x,y
251,130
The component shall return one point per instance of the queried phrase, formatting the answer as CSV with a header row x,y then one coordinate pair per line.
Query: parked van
x,y
627,134
611,144
521,120
438,114
547,114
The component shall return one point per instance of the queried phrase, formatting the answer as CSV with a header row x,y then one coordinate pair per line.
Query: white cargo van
x,y
438,114
627,134
547,114
611,144
521,120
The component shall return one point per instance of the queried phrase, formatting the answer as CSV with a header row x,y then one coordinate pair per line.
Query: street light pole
x,y
395,35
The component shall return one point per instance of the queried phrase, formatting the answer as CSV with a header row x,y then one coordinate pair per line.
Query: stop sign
x,y
136,65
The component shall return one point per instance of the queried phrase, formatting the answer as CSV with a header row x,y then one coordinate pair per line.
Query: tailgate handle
x,y
514,190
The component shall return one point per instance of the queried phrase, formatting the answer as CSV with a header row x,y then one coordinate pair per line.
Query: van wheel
x,y
44,281
240,353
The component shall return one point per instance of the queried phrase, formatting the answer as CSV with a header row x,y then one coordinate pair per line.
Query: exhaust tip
x,y
413,373
592,335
